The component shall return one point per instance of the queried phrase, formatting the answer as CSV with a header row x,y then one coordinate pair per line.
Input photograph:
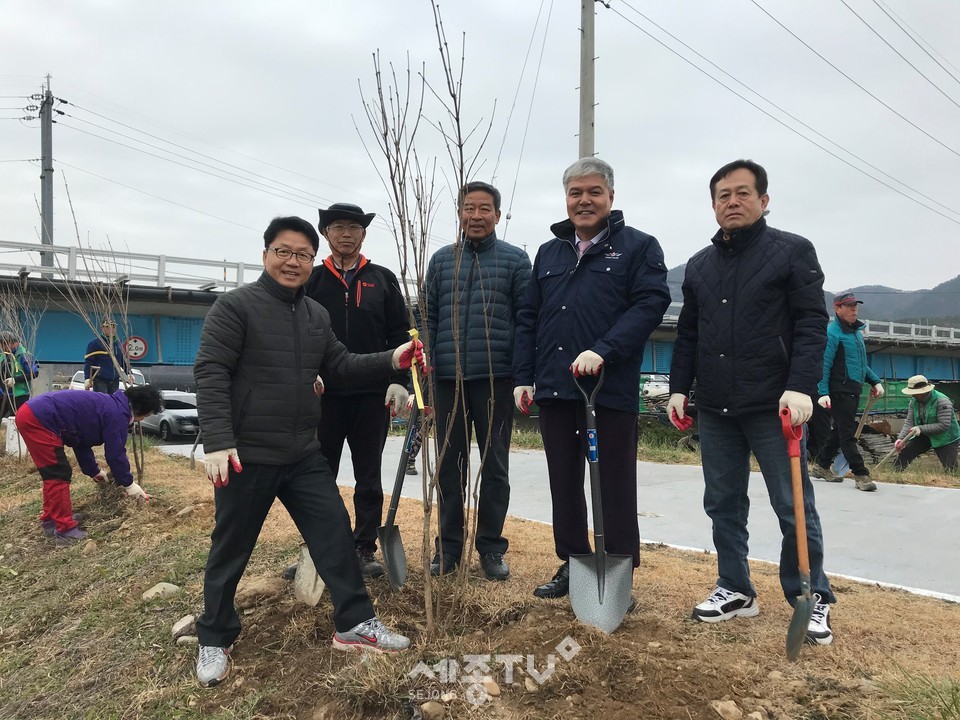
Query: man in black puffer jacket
x,y
261,349
367,314
474,290
752,331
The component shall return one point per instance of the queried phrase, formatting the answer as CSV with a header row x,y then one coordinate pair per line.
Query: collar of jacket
x,y
488,242
330,265
740,238
279,291
848,327
566,231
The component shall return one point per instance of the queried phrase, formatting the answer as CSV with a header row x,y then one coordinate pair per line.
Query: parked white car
x,y
655,387
77,382
179,416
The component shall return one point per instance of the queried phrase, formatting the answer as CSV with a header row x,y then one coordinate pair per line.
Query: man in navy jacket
x,y
752,332
598,289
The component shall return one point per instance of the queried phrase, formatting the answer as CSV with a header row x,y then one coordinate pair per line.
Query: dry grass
x,y
76,640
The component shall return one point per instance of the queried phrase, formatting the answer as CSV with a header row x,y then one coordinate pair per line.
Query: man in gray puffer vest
x,y
474,291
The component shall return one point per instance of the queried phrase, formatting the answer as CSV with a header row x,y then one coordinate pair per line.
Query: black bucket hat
x,y
344,211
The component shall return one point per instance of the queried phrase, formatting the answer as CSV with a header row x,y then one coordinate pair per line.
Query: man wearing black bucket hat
x,y
367,314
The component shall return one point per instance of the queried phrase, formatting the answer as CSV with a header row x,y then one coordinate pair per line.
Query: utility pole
x,y
586,77
46,174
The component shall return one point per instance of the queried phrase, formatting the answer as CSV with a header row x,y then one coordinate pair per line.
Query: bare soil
x,y
77,640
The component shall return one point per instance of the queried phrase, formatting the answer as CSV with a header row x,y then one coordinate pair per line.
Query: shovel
x,y
840,465
391,544
803,608
599,583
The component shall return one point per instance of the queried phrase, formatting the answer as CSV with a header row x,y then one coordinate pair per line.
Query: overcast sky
x,y
273,90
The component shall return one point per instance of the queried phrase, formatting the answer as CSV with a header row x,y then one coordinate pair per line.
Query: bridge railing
x,y
885,329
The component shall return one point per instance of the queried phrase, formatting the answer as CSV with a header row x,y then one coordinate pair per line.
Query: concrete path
x,y
901,535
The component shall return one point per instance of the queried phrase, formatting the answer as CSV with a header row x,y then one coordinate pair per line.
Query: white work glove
x,y
877,391
101,477
318,386
677,412
88,384
216,463
136,492
824,402
408,353
9,382
800,404
522,397
396,398
587,363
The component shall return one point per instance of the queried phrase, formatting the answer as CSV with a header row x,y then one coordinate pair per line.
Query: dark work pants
x,y
362,421
563,426
818,432
473,413
106,386
947,454
309,493
842,437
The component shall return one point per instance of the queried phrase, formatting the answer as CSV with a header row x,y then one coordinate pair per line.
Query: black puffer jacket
x,y
367,315
753,322
261,349
489,285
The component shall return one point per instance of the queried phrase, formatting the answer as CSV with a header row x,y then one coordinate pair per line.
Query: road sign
x,y
135,347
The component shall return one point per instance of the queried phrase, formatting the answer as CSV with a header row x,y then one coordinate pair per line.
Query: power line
x,y
786,112
899,22
157,197
810,48
899,54
778,120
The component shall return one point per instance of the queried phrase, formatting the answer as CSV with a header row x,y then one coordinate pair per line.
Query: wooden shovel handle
x,y
793,434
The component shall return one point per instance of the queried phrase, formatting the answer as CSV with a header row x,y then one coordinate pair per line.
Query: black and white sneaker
x,y
818,631
725,604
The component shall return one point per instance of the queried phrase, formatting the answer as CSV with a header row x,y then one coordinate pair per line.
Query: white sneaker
x,y
213,665
725,604
371,635
818,631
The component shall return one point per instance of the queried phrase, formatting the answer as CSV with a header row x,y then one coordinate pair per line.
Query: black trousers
x,y
473,414
818,432
362,421
947,454
842,437
564,429
308,491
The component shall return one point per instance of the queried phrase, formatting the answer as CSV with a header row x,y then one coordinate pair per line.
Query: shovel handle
x,y
418,393
863,418
590,398
793,433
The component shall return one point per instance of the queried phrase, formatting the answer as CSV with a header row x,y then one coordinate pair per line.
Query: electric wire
x,y
888,107
157,197
781,122
899,22
526,127
899,54
789,114
516,94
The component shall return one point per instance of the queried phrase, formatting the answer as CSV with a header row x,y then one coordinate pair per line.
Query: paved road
x,y
902,534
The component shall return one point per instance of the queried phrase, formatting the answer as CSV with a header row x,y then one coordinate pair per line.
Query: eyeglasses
x,y
286,254
340,227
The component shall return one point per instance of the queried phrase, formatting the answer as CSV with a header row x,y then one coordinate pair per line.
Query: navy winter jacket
x,y
608,301
488,288
753,322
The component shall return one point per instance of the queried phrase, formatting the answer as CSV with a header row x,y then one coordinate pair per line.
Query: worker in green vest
x,y
17,371
931,423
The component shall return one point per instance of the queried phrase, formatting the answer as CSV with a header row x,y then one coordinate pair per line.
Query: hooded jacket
x,y
261,348
753,322
608,301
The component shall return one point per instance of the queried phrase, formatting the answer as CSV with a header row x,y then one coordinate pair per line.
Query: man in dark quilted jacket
x,y
474,289
752,333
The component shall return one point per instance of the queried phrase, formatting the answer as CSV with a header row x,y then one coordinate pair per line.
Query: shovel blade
x,y
797,632
840,465
307,585
600,586
394,557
